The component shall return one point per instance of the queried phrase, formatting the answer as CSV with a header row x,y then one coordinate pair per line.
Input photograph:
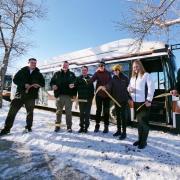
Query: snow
x,y
44,154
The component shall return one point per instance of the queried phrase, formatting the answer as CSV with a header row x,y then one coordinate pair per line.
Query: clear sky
x,y
73,25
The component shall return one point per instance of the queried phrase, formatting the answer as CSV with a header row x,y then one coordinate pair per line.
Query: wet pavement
x,y
17,161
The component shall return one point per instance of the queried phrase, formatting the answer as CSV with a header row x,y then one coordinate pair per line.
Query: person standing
x,y
142,89
63,85
85,93
28,81
176,90
102,76
118,88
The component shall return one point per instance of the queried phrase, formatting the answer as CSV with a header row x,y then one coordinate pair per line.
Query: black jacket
x,y
118,88
84,88
23,77
62,80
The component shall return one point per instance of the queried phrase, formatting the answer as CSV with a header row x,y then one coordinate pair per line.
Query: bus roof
x,y
125,49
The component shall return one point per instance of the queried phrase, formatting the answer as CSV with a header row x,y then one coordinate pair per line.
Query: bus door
x,y
160,73
169,83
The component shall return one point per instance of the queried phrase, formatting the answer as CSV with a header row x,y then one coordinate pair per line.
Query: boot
x,y
57,129
136,143
85,130
143,142
69,130
123,136
142,145
106,129
28,129
4,132
96,128
117,133
81,130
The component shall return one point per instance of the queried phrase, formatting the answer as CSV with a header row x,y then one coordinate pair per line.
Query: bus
x,y
156,57
7,87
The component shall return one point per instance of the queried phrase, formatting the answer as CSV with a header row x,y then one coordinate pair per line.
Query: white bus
x,y
156,57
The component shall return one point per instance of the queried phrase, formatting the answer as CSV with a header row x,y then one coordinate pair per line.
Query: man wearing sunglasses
x,y
102,76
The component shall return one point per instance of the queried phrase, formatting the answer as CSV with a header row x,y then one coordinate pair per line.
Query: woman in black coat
x,y
118,88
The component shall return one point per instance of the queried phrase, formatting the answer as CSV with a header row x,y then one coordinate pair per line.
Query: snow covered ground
x,y
44,154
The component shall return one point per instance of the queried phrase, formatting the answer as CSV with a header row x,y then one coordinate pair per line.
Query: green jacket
x,y
62,80
84,88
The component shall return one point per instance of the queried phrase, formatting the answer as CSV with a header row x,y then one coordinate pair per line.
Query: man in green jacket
x,y
28,81
63,85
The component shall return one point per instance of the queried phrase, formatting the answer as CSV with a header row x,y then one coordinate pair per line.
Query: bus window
x,y
47,77
92,69
77,71
158,79
7,82
125,67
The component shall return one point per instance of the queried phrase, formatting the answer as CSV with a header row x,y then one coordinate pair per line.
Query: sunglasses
x,y
101,65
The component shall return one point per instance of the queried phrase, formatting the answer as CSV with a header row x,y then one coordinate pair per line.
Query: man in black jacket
x,y
28,81
85,93
63,85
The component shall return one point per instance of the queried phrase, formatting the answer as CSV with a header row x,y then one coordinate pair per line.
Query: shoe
x,y
117,133
26,130
57,129
4,132
85,130
96,128
29,129
69,130
142,145
106,130
123,136
136,143
81,130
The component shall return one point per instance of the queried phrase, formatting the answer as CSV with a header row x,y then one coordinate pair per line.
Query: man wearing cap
x,y
102,76
28,81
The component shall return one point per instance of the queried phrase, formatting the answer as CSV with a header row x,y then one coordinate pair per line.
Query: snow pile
x,y
44,154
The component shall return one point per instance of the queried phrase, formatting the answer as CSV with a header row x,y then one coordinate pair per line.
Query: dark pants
x,y
15,106
121,117
102,103
85,108
143,122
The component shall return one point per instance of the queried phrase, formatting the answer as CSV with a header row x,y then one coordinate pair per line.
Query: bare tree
x,y
15,17
150,18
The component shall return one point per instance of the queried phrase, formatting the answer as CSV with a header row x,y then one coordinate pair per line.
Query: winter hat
x,y
117,67
101,63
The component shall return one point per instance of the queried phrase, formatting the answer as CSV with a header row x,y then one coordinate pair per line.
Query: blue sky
x,y
73,25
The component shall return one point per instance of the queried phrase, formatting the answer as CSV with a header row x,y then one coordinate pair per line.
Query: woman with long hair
x,y
141,89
